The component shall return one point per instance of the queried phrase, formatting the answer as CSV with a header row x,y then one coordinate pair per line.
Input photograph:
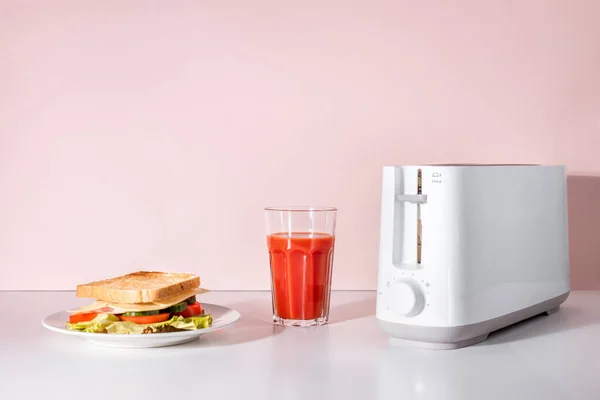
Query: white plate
x,y
222,317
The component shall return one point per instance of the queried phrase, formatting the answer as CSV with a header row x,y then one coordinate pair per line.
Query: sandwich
x,y
141,303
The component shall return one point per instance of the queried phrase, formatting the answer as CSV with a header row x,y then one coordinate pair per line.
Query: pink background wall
x,y
150,134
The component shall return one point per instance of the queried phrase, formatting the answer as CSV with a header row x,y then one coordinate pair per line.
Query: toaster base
x,y
439,345
454,337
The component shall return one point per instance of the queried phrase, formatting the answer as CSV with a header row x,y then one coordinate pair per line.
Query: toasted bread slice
x,y
139,287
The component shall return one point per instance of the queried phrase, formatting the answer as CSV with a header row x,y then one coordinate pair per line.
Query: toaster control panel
x,y
405,298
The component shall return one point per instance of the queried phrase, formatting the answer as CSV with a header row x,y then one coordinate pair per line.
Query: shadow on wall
x,y
584,231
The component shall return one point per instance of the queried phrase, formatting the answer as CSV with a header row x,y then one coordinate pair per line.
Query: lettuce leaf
x,y
97,325
108,323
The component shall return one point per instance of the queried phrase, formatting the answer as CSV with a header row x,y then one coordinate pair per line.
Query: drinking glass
x,y
301,244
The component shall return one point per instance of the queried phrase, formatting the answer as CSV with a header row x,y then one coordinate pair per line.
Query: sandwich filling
x,y
178,313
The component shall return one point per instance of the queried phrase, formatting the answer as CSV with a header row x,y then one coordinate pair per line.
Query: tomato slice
x,y
83,317
146,319
191,311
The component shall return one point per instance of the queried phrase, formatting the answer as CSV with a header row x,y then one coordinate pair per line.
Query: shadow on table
x,y
251,326
355,310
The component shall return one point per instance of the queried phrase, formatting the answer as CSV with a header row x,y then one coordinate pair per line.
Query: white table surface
x,y
547,357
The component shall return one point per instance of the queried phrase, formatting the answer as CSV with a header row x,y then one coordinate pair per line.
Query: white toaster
x,y
469,249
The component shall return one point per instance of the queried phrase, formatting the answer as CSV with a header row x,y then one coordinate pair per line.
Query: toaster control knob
x,y
405,298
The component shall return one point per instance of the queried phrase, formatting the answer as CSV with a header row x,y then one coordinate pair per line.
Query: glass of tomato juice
x,y
301,243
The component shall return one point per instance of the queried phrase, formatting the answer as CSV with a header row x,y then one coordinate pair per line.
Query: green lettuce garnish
x,y
109,323
97,325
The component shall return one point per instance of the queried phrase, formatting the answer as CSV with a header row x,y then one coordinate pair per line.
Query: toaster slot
x,y
408,227
419,225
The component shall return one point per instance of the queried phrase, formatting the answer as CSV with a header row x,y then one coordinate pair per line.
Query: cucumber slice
x,y
179,307
141,313
191,300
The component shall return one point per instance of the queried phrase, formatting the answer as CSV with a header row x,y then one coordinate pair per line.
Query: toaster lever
x,y
412,198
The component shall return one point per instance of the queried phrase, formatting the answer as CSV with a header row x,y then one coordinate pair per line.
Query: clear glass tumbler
x,y
301,244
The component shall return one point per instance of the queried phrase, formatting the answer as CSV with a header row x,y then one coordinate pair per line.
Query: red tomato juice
x,y
301,265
